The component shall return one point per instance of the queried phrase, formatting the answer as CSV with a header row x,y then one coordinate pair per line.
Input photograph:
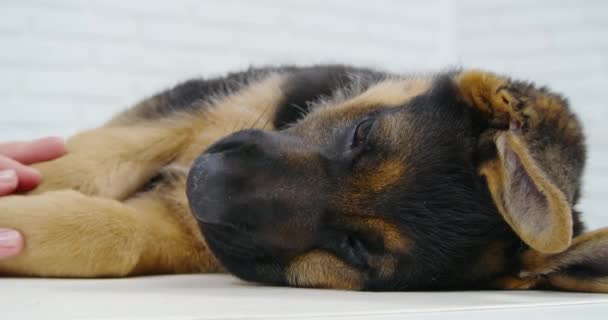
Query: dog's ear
x,y
582,267
527,199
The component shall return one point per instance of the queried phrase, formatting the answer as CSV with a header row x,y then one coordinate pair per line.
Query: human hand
x,y
16,176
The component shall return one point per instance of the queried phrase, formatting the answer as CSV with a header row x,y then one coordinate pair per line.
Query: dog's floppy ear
x,y
582,267
527,199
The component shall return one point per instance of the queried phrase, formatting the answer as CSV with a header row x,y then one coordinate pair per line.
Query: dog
x,y
325,176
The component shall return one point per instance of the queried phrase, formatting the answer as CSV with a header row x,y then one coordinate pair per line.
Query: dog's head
x,y
378,191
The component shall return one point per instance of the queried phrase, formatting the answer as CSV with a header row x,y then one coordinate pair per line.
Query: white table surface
x,y
224,297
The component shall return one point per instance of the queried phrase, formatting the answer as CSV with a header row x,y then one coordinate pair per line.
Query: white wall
x,y
70,64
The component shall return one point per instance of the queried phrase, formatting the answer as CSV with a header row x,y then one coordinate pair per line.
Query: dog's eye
x,y
361,133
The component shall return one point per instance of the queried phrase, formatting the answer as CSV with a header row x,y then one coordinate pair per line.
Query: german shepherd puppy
x,y
323,176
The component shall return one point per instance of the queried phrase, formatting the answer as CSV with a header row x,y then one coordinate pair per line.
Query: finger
x,y
8,182
34,151
28,178
11,243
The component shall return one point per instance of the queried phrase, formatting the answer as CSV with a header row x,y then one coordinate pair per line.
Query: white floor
x,y
224,297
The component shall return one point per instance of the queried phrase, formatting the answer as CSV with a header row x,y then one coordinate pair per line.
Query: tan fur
x,y
394,240
486,91
388,173
251,107
178,246
583,247
388,93
63,238
564,282
112,162
553,268
320,269
516,283
385,265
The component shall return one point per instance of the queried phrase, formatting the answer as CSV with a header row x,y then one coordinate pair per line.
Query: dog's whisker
x,y
302,110
259,117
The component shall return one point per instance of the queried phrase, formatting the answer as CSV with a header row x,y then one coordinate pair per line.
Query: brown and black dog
x,y
323,176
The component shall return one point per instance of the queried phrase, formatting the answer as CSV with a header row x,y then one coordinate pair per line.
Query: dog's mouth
x,y
230,241
210,200
242,255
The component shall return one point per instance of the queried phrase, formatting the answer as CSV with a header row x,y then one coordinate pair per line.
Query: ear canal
x,y
529,202
583,267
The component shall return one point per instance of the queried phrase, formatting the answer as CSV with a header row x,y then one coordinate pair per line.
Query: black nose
x,y
205,187
220,179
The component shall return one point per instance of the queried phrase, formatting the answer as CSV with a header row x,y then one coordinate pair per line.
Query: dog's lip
x,y
203,222
222,238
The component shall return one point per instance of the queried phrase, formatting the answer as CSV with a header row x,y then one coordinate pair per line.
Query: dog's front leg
x,y
68,234
112,162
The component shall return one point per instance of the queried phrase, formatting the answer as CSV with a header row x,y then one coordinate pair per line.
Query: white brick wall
x,y
66,65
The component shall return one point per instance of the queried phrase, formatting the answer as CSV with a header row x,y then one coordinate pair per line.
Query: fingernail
x,y
8,176
34,171
9,238
57,140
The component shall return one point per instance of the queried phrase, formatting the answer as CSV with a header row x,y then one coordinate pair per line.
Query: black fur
x,y
308,85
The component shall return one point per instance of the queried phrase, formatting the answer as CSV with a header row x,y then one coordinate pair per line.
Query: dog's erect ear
x,y
582,267
527,199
